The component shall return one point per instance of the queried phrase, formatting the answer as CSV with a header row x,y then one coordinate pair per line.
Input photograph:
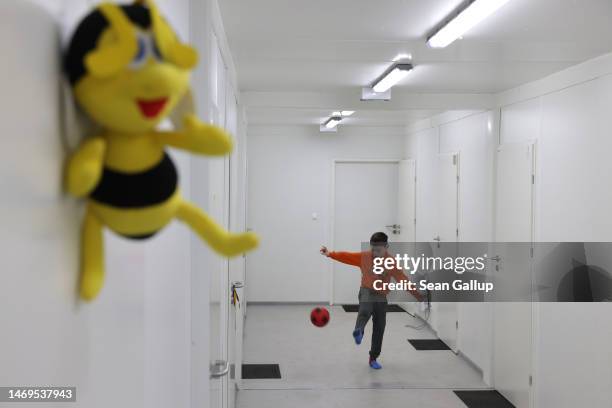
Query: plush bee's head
x,y
127,68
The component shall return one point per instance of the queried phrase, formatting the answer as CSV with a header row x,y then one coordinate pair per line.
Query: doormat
x,y
428,345
355,308
260,371
483,399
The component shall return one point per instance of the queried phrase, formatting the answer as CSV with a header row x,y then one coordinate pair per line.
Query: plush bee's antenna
x,y
109,60
182,55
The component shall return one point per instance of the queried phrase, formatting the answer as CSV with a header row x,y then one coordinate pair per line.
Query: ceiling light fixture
x,y
332,122
462,20
391,77
402,57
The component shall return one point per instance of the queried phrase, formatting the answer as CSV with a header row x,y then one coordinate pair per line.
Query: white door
x,y
365,201
513,321
406,205
219,210
406,210
445,315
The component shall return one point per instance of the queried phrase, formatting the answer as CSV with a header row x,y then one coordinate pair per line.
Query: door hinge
x,y
415,221
457,324
531,252
457,179
533,179
530,380
457,231
455,159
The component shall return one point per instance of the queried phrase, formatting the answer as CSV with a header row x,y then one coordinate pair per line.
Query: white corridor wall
x,y
290,173
567,115
571,129
473,135
138,344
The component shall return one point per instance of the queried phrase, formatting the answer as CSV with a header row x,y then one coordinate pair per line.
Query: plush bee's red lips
x,y
152,108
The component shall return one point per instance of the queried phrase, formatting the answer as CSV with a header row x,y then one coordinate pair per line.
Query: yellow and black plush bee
x,y
128,71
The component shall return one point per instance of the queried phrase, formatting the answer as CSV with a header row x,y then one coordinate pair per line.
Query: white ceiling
x,y
337,46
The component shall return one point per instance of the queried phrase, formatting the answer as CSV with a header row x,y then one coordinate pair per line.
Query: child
x,y
371,302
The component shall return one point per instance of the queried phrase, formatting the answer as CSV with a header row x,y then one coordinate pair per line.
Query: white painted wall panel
x,y
474,138
427,148
289,180
571,129
135,339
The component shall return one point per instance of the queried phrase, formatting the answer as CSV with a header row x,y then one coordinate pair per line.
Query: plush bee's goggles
x,y
84,56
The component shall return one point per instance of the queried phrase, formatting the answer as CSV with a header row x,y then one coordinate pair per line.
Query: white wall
x,y
571,128
473,136
289,178
475,140
136,338
567,116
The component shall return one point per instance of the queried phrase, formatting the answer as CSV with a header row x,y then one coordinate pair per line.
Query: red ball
x,y
319,316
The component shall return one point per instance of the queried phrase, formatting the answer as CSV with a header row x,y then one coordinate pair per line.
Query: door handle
x,y
496,259
396,228
219,369
438,240
237,284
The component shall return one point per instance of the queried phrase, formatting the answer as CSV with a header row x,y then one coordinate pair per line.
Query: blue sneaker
x,y
358,336
375,365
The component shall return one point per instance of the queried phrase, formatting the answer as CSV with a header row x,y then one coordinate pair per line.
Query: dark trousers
x,y
374,305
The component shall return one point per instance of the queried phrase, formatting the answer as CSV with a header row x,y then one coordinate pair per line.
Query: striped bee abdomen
x,y
134,190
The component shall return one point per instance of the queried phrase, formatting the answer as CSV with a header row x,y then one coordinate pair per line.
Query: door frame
x,y
414,193
534,231
332,209
457,158
435,308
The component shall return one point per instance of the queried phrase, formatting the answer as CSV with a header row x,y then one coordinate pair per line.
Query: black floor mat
x,y
483,399
260,371
423,345
355,308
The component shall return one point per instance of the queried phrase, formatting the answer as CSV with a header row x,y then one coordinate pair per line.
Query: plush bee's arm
x,y
85,166
198,137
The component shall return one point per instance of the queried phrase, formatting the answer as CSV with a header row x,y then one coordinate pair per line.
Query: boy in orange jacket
x,y
372,302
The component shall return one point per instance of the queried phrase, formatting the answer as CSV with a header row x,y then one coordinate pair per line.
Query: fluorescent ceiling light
x,y
468,17
343,114
332,122
401,57
391,77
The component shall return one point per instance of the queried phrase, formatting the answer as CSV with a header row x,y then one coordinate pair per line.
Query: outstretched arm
x,y
198,137
349,258
85,166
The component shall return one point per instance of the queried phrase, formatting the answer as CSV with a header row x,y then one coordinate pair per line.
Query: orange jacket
x,y
365,262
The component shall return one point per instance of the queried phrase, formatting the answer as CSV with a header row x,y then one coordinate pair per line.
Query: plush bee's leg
x,y
220,240
92,257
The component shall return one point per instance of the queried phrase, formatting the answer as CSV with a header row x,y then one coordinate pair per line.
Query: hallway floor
x,y
324,367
